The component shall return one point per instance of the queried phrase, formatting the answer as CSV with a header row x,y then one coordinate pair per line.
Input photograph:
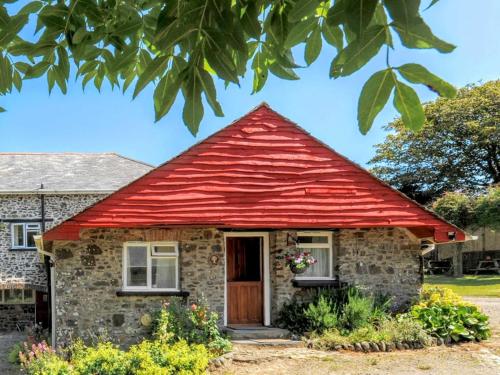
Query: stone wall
x,y
21,267
11,315
381,260
89,274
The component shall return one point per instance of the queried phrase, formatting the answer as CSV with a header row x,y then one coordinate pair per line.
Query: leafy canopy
x,y
182,45
458,148
466,210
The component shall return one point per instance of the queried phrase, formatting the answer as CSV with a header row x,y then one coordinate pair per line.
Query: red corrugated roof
x,y
262,171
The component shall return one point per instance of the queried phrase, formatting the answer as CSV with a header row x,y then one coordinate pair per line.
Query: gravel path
x,y
483,358
7,339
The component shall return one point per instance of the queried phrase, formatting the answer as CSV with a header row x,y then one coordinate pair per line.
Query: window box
x,y
126,293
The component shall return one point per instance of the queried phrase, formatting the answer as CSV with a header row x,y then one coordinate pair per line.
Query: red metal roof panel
x,y
262,171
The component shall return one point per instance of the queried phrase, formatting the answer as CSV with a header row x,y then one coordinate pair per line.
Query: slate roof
x,y
262,171
67,172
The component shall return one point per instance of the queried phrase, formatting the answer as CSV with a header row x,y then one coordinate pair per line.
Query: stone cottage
x,y
216,220
38,191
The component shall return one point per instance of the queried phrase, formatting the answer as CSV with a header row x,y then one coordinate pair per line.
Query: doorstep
x,y
256,333
284,343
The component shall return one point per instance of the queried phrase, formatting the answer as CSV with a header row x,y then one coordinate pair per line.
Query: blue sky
x,y
110,121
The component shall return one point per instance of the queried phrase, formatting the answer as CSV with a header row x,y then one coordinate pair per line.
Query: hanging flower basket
x,y
296,270
299,262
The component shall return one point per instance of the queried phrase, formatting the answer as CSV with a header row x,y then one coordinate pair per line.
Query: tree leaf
x,y
408,105
416,73
358,52
17,81
336,14
32,7
373,98
14,26
165,94
193,107
299,32
313,46
433,2
51,80
37,70
333,35
79,36
152,71
250,20
2,110
418,35
282,72
403,11
208,87
359,14
301,9
260,71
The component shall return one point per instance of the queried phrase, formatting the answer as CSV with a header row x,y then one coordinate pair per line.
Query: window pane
x,y
164,273
313,239
164,249
137,265
18,235
13,295
28,296
30,241
322,267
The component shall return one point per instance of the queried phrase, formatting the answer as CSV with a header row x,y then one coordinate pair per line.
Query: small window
x,y
17,296
151,266
23,235
320,246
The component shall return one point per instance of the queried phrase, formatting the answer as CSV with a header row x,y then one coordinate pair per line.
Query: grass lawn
x,y
480,286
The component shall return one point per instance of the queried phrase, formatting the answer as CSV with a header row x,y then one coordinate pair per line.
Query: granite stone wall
x,y
22,268
12,315
89,274
384,260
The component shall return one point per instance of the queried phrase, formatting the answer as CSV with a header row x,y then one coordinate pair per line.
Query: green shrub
x,y
389,330
155,357
194,324
13,356
105,358
321,315
357,311
444,314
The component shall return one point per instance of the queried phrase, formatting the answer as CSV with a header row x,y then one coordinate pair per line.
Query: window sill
x,y
172,293
314,283
23,249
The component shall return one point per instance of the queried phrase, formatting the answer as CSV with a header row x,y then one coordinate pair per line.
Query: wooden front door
x,y
244,280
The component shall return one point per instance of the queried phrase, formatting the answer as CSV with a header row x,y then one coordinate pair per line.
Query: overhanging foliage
x,y
181,45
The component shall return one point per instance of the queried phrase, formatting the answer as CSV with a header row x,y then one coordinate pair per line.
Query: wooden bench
x,y
488,265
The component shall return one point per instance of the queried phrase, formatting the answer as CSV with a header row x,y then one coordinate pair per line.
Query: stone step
x,y
256,333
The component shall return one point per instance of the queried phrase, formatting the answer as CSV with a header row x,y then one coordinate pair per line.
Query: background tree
x,y
181,45
457,208
458,148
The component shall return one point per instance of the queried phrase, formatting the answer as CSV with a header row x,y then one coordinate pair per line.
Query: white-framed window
x,y
17,296
23,235
319,244
151,266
